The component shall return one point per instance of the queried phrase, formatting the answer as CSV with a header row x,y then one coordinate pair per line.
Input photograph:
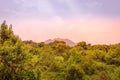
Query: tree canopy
x,y
28,60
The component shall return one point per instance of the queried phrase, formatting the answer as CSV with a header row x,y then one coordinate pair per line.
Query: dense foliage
x,y
27,60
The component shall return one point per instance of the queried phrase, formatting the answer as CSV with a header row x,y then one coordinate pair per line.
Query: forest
x,y
29,60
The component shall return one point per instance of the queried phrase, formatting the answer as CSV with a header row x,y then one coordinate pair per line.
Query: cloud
x,y
93,4
61,1
58,20
72,6
45,6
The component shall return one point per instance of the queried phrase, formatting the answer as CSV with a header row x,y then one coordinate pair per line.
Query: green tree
x,y
74,72
82,45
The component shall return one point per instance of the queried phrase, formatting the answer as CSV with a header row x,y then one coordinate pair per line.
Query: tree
x,y
6,34
82,45
16,57
74,72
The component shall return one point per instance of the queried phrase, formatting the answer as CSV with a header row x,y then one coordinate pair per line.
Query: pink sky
x,y
93,21
92,30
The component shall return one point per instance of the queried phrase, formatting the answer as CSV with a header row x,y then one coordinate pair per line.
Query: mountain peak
x,y
67,41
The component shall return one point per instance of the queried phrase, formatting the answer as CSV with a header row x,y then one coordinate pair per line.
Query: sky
x,y
93,21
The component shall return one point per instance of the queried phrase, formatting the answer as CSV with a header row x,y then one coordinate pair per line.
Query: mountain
x,y
67,41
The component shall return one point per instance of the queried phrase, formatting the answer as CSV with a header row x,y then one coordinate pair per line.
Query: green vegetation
x,y
27,60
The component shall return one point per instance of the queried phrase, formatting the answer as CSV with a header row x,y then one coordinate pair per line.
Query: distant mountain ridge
x,y
67,41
